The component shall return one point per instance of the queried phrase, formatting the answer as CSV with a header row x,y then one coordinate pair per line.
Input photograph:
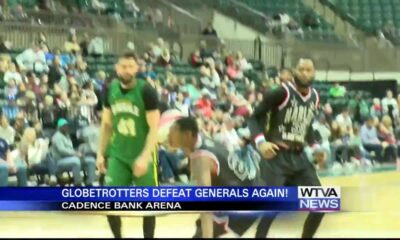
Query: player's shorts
x,y
120,173
288,168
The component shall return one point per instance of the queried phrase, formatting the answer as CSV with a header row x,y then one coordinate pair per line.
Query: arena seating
x,y
296,9
367,15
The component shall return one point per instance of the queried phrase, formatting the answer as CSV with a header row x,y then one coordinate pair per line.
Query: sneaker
x,y
31,184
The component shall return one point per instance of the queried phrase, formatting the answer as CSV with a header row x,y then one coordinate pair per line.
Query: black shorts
x,y
288,168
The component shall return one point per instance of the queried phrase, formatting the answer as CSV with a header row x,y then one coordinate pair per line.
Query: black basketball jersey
x,y
290,121
229,169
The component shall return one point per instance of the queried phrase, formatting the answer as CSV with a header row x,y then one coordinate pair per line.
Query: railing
x,y
246,15
184,22
22,36
271,52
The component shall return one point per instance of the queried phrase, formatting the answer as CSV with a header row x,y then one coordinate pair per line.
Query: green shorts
x,y
120,174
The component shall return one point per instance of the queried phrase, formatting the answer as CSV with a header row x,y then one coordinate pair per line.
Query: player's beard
x,y
301,84
127,80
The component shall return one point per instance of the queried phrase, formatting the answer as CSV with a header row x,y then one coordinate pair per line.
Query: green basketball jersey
x,y
129,124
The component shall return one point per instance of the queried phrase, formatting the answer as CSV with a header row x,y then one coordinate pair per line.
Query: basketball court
x,y
370,203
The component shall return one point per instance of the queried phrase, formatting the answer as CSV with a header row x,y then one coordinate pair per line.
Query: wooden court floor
x,y
371,204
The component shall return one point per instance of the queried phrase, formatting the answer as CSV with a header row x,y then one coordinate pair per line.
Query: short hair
x,y
129,55
188,124
306,58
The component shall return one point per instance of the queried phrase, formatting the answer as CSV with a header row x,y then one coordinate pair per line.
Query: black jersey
x,y
285,115
229,168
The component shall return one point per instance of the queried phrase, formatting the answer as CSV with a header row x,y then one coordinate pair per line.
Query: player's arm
x,y
150,97
272,99
105,132
200,170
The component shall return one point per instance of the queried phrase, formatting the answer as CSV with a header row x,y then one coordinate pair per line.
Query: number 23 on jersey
x,y
126,126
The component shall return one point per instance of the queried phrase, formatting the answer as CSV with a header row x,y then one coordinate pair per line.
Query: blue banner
x,y
150,194
170,199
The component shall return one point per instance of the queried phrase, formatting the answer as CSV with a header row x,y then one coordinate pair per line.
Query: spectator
x,y
12,74
65,156
181,106
132,7
74,96
96,47
389,105
11,92
157,49
33,83
310,20
209,30
383,42
157,17
82,75
7,132
234,73
344,120
321,126
72,45
84,45
376,108
243,64
204,104
285,75
195,59
91,137
47,113
339,144
386,134
165,58
337,91
32,59
204,51
99,6
47,5
193,90
88,101
33,151
19,125
42,40
370,140
56,72
164,103
5,46
100,83
19,13
10,165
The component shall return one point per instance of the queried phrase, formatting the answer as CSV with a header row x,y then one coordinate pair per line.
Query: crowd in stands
x,y
49,94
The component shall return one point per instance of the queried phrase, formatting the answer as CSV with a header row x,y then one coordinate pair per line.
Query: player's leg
x,y
308,177
271,174
3,174
118,174
150,179
89,166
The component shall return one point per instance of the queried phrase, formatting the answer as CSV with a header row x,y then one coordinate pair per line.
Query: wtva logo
x,y
319,198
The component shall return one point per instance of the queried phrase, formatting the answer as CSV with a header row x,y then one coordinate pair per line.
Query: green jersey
x,y
129,123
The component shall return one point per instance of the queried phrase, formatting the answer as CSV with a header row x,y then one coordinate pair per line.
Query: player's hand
x,y
141,166
268,150
101,163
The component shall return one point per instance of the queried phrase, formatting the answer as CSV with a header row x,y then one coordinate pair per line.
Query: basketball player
x,y
128,138
281,126
212,165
